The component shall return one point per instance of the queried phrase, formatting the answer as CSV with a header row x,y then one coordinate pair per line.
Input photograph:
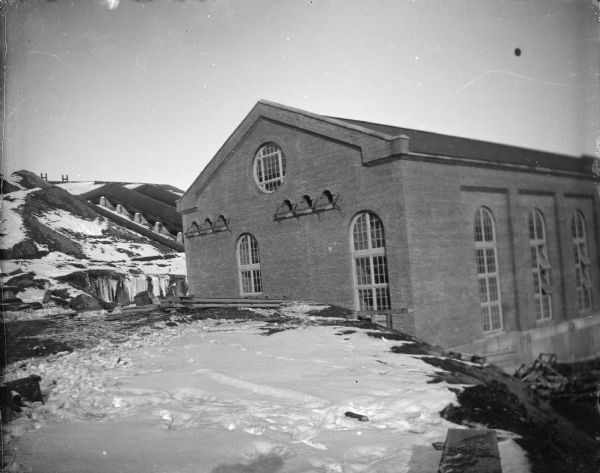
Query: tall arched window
x,y
249,265
370,263
582,262
487,271
540,266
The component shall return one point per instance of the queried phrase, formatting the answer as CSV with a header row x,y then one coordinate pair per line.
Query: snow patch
x,y
12,230
15,180
68,224
513,458
32,294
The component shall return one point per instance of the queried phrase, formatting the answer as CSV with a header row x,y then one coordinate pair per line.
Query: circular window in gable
x,y
269,167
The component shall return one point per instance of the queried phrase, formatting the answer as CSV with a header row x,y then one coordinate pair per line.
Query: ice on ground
x,y
217,396
12,230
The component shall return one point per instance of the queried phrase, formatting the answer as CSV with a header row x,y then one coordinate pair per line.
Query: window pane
x,y
271,167
259,171
379,270
531,227
247,282
493,288
244,253
377,238
488,225
363,271
383,298
491,260
485,319
483,293
534,259
365,299
496,321
257,280
360,233
480,262
255,258
539,226
537,287
478,227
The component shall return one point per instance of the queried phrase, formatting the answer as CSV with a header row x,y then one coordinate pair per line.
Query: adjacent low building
x,y
472,245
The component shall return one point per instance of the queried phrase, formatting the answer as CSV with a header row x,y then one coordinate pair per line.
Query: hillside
x,y
55,246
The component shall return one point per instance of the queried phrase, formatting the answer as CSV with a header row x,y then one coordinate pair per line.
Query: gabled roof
x,y
426,142
372,144
379,143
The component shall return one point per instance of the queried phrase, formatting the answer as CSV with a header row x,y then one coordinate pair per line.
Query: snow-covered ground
x,y
12,229
220,396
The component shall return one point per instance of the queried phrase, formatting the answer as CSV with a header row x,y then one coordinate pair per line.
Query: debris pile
x,y
553,381
542,376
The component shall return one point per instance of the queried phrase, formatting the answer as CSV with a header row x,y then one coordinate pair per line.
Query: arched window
x,y
582,262
269,167
249,265
540,266
487,271
370,263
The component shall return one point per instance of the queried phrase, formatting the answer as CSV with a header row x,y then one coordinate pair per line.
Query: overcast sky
x,y
149,91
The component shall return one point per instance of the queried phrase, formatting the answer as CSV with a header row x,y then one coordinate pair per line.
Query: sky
x,y
148,91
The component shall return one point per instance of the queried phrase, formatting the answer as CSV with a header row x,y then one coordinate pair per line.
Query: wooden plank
x,y
470,451
232,300
194,305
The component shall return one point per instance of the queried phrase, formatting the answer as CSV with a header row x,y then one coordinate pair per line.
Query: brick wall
x,y
307,257
428,213
441,201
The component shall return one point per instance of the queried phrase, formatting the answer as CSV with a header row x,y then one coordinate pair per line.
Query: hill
x,y
55,246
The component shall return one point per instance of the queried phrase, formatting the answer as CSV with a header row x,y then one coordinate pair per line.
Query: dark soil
x,y
53,334
552,444
500,401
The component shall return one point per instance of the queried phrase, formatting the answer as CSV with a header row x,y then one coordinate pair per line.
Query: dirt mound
x,y
30,180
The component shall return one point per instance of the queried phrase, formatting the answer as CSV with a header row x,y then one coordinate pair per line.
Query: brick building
x,y
472,245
